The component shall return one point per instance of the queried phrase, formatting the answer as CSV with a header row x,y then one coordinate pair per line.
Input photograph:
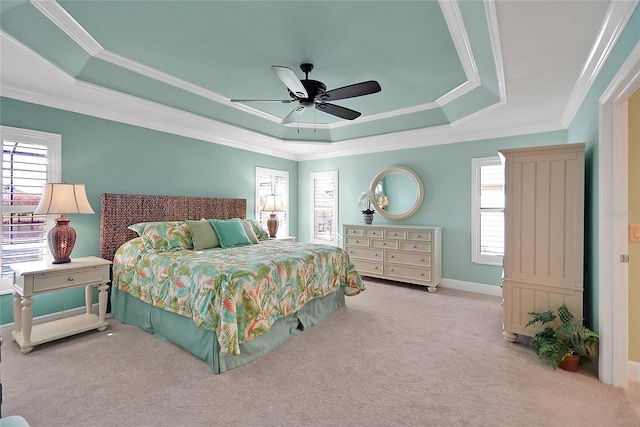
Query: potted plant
x,y
365,199
563,343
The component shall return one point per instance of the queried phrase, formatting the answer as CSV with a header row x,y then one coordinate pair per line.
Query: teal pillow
x,y
204,236
230,232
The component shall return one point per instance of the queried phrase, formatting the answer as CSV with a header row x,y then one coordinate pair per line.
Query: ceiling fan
x,y
312,93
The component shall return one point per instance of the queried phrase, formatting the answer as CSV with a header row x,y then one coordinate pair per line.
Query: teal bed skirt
x,y
203,343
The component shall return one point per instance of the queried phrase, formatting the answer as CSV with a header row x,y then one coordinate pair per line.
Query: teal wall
x,y
445,171
111,157
585,128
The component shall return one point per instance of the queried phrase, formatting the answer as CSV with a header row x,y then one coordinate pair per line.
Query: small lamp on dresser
x,y
273,204
62,199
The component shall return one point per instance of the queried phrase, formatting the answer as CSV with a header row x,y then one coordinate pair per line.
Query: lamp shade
x,y
62,199
273,203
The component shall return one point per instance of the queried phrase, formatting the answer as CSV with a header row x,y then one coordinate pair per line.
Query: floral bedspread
x,y
237,292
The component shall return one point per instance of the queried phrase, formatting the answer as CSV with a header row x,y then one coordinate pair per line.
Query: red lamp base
x,y
61,240
272,225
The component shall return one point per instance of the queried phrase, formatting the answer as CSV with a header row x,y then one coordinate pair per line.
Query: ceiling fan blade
x,y
337,110
351,91
282,101
290,80
293,116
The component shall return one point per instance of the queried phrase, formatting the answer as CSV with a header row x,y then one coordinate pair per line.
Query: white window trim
x,y
282,231
54,171
313,176
476,256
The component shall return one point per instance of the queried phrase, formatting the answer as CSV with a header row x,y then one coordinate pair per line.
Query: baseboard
x,y
479,288
8,327
633,371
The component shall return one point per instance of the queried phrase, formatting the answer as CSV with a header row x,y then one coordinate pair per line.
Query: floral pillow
x,y
164,236
261,232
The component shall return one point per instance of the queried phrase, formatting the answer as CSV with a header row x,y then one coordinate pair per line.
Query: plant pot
x,y
368,218
571,362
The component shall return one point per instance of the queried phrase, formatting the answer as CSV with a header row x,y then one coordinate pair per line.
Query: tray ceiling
x,y
441,65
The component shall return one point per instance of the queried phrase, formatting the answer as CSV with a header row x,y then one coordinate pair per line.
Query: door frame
x,y
613,220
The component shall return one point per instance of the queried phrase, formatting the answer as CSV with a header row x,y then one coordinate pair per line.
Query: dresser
x,y
410,254
544,227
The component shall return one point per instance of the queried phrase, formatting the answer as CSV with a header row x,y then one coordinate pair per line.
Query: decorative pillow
x,y
260,232
204,236
230,232
164,236
249,230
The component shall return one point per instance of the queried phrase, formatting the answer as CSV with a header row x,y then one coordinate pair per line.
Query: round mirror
x,y
398,193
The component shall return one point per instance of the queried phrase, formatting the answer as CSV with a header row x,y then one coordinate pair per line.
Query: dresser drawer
x,y
395,234
420,235
406,272
354,231
372,254
356,241
423,260
385,244
48,282
415,246
374,232
365,267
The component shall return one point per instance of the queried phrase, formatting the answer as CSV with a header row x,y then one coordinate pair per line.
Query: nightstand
x,y
39,277
285,238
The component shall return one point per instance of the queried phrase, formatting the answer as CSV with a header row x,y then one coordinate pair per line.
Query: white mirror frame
x,y
416,205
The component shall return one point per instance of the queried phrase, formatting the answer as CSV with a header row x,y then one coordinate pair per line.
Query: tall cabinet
x,y
544,233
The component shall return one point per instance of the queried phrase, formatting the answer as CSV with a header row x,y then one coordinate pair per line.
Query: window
x,y
487,210
324,207
268,182
29,160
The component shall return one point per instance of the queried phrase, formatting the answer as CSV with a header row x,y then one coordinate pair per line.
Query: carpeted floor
x,y
396,355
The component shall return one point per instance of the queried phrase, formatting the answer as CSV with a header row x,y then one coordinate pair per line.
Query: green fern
x,y
570,337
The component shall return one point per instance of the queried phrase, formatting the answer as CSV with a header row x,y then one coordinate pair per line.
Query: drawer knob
x,y
384,243
392,256
353,231
418,236
375,254
375,268
391,269
421,259
373,232
422,274
414,246
395,234
70,279
350,252
357,241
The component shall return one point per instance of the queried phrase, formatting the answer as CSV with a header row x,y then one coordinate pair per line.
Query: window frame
x,y
283,228
335,220
477,257
53,144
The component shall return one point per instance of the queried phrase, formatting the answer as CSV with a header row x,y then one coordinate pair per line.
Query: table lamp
x,y
274,204
62,199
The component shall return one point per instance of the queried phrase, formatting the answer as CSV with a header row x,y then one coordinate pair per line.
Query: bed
x,y
225,306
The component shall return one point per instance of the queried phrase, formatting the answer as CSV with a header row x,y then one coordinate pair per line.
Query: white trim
x,y
61,18
612,222
6,328
633,371
478,288
615,21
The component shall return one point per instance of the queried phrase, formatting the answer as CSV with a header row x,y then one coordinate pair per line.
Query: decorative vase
x,y
571,362
368,218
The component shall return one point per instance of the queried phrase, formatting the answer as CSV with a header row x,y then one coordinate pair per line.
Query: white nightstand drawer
x,y
48,282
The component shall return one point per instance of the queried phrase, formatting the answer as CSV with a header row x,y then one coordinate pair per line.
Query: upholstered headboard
x,y
122,210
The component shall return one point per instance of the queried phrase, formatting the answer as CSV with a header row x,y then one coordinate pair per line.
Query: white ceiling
x,y
448,73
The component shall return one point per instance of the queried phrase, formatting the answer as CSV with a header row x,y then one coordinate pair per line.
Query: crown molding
x,y
615,21
61,18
